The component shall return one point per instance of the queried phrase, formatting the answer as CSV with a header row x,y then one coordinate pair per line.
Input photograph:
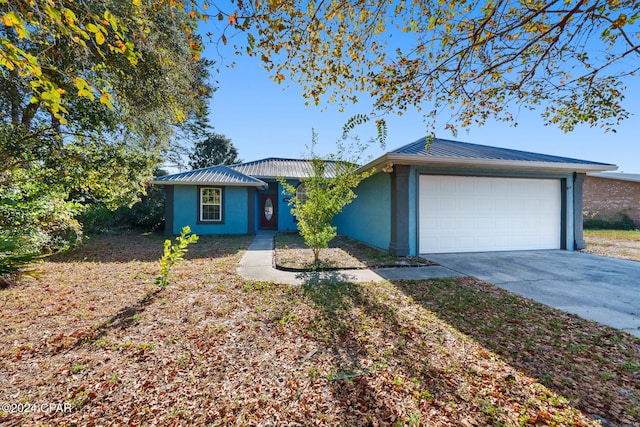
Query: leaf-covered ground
x,y
95,334
343,253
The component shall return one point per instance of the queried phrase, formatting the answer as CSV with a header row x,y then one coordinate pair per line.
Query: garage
x,y
477,214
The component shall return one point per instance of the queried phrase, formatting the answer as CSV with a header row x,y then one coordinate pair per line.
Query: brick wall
x,y
609,196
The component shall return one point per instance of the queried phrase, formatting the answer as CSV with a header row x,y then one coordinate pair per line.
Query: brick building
x,y
608,193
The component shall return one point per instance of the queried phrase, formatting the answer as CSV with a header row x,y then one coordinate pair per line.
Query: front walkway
x,y
257,264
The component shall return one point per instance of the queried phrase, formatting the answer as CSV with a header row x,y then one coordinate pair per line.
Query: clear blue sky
x,y
264,119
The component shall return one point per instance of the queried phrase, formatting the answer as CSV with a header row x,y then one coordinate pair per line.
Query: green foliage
x,y
91,96
146,214
15,260
468,60
174,253
68,49
34,205
215,149
619,221
359,119
329,188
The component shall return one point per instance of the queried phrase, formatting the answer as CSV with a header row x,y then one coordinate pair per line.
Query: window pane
x,y
210,195
211,212
301,193
210,204
268,210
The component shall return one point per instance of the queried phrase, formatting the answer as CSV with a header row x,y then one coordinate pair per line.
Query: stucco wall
x,y
286,221
234,206
368,217
610,196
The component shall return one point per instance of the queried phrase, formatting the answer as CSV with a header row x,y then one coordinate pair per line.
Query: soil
x,y
343,253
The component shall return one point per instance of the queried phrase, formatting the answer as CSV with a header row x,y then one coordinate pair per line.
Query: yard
x,y
96,339
614,243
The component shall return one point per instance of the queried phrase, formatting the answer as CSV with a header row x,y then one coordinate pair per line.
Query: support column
x,y
399,245
578,182
251,209
168,210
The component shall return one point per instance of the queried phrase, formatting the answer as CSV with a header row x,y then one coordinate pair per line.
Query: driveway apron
x,y
605,290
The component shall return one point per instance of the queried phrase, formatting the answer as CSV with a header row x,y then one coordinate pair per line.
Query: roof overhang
x,y
385,160
618,176
211,184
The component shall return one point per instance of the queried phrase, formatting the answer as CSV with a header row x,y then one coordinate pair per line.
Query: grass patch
x,y
616,235
623,244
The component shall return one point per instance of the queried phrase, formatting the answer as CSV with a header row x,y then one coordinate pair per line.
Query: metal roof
x,y
218,175
439,152
632,177
284,168
443,148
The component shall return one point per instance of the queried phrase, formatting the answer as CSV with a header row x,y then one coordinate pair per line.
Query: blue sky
x,y
264,119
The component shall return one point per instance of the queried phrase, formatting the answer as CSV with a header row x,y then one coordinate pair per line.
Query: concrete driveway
x,y
605,290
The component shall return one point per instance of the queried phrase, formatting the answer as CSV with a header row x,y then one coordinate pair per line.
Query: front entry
x,y
268,211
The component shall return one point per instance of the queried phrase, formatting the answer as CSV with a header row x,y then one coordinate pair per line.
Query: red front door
x,y
268,211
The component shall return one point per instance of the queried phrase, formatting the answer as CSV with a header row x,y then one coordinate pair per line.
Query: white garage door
x,y
474,214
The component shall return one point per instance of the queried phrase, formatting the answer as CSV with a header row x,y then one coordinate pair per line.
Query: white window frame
x,y
202,204
301,193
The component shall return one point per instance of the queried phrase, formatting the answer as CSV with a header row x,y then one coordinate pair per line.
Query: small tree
x,y
328,189
215,149
173,254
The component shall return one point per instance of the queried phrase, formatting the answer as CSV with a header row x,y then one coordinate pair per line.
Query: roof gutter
x,y
208,183
411,159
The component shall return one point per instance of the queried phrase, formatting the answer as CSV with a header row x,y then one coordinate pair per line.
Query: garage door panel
x,y
465,214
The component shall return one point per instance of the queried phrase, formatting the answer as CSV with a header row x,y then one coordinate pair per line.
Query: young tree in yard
x,y
328,189
475,59
215,149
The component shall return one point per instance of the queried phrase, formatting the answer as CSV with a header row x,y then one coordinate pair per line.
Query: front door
x,y
268,211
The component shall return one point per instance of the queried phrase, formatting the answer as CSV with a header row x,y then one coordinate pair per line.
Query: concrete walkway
x,y
258,264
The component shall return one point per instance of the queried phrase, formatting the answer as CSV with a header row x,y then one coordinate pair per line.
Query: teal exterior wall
x,y
286,220
235,202
368,217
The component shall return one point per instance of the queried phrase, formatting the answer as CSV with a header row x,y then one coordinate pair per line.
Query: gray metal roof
x,y
218,175
284,168
633,177
442,148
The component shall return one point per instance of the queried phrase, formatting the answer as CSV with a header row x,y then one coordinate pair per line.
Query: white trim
x,y
417,160
202,204
209,184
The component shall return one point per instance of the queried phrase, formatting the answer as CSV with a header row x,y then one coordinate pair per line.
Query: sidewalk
x,y
257,264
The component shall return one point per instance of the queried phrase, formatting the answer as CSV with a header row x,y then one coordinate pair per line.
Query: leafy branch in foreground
x,y
174,254
468,60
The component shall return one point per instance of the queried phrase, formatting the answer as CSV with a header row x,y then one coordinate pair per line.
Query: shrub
x,y
15,260
619,221
147,214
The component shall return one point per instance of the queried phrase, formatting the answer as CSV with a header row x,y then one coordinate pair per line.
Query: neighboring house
x,y
448,197
608,193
